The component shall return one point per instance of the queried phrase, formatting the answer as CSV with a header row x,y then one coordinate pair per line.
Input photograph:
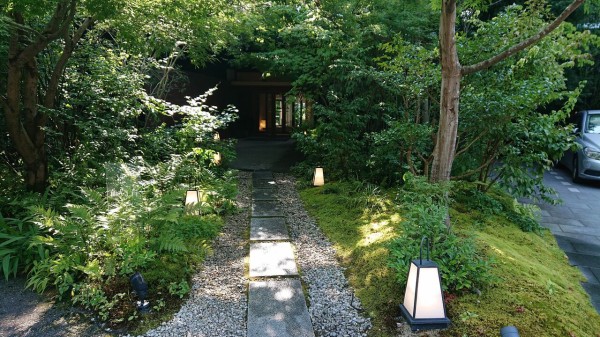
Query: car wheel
x,y
575,171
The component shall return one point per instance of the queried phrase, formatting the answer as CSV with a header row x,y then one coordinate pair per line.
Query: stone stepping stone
x,y
277,308
267,175
264,194
268,229
264,183
269,259
266,209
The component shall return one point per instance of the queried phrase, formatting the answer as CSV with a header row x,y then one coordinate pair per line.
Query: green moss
x,y
360,239
538,291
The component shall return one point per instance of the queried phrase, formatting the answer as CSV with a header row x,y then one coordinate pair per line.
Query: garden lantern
x,y
318,178
217,137
141,290
192,197
423,305
217,158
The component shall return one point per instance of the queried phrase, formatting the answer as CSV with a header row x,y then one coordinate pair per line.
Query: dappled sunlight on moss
x,y
537,290
379,231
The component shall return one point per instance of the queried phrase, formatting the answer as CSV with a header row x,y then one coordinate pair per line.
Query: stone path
x,y
576,226
276,305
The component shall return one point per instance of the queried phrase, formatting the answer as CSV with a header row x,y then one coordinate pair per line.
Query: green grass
x,y
538,291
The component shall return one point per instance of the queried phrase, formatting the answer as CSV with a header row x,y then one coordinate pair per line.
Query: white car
x,y
585,162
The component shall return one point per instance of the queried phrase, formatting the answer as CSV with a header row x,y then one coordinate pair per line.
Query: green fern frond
x,y
170,243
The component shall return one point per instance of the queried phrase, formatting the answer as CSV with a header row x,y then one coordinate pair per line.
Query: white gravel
x,y
332,307
218,302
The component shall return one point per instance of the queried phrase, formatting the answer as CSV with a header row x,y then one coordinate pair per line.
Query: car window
x,y
593,124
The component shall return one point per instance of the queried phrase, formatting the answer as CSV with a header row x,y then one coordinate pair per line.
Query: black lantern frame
x,y
424,267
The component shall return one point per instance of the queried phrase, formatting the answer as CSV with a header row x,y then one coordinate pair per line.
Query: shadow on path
x,y
24,313
277,155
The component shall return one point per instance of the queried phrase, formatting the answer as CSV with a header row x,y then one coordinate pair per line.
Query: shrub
x,y
425,208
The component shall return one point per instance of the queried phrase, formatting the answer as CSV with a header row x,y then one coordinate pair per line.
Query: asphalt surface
x,y
576,225
24,313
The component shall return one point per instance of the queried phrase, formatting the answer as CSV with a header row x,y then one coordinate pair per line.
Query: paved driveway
x,y
576,225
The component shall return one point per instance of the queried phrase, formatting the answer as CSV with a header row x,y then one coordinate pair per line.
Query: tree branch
x,y
473,171
56,27
524,44
61,64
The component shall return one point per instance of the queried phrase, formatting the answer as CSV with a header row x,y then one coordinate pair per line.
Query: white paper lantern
x,y
318,177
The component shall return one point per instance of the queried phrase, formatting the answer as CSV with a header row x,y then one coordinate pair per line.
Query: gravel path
x,y
218,301
334,310
217,304
332,306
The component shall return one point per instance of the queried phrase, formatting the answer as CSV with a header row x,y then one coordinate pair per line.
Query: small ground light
x,y
423,305
318,177
192,197
217,136
217,158
140,287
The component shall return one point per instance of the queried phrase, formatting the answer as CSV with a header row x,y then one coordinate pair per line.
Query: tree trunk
x,y
445,147
452,72
25,121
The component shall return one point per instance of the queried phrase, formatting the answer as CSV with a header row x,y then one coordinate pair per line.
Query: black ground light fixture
x,y
423,306
141,290
509,331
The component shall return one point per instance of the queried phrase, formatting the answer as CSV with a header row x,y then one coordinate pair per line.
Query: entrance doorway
x,y
279,114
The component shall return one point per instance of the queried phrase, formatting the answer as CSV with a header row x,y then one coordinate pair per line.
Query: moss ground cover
x,y
536,288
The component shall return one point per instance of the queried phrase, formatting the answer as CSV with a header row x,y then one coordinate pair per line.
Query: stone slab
x,y
268,175
269,259
584,260
587,248
266,209
580,230
593,290
268,229
590,275
277,308
264,183
264,194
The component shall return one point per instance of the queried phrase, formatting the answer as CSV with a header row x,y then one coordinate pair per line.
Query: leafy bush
x,y
338,142
399,149
92,245
110,213
425,208
469,196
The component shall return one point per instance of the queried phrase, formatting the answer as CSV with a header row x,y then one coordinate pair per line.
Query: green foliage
x,y
115,202
398,149
467,197
16,249
535,283
336,143
179,289
523,141
140,227
425,206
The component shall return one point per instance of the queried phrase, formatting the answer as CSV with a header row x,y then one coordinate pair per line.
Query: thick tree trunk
x,y
25,121
445,147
